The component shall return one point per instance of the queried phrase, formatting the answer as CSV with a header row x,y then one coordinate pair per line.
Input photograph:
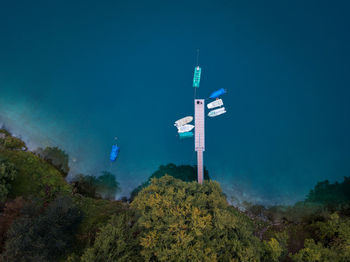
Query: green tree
x,y
97,213
85,185
34,176
57,157
331,242
7,175
191,222
333,196
10,142
117,241
43,234
273,250
107,185
186,173
4,132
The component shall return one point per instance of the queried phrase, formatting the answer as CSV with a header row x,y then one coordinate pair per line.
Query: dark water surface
x,y
76,75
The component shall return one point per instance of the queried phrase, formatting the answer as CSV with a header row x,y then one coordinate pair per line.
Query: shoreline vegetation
x,y
170,217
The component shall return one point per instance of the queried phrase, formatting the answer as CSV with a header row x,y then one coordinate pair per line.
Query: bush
x,y
4,132
97,212
117,241
273,250
13,143
85,186
332,196
105,186
43,234
11,211
55,156
34,176
7,175
331,241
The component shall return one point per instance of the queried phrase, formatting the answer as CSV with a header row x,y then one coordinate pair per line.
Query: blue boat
x,y
114,153
217,93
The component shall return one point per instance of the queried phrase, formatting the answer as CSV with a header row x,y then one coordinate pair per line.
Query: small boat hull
x,y
185,128
215,104
183,121
217,112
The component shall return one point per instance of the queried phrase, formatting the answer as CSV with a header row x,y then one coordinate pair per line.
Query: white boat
x,y
215,103
185,128
217,112
183,121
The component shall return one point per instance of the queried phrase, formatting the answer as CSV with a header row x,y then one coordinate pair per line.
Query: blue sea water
x,y
77,76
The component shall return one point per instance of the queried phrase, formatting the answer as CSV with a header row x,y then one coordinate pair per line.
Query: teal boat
x,y
186,135
197,76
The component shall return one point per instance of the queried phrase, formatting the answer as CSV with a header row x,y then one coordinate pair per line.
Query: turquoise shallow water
x,y
77,76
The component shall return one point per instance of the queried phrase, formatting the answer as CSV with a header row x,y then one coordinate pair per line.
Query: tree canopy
x,y
56,156
170,219
333,196
186,173
85,185
331,242
10,142
190,222
107,185
104,186
43,234
116,241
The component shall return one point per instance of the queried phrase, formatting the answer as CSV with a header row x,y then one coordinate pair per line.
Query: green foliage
x,y
4,132
85,185
7,175
117,241
134,193
43,234
97,212
300,212
305,224
316,252
313,234
176,221
12,143
34,176
55,156
11,211
105,186
315,237
186,173
312,253
327,240
190,222
332,196
273,250
275,245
